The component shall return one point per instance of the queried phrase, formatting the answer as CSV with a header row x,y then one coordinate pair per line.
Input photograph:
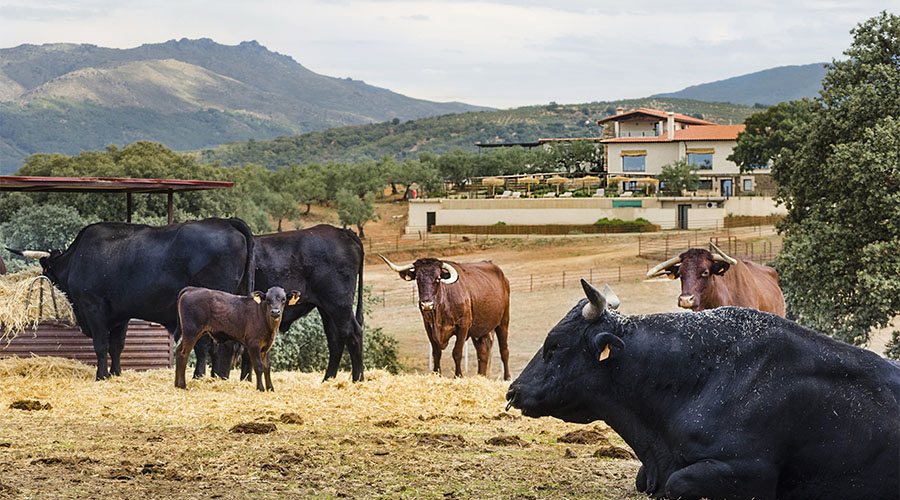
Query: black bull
x,y
729,403
325,264
113,272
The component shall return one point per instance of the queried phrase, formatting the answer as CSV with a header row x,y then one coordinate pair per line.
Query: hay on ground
x,y
40,367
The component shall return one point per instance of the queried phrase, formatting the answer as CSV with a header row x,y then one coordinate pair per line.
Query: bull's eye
x,y
705,273
550,348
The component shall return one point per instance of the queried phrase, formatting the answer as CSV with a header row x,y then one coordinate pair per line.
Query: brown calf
x,y
252,321
463,300
713,279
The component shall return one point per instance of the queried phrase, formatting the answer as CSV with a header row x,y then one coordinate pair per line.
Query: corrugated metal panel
x,y
147,345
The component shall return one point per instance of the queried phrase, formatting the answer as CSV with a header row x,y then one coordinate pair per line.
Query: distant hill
x,y
445,133
771,86
188,94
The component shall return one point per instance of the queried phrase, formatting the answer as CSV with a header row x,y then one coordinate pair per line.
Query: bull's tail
x,y
249,271
359,277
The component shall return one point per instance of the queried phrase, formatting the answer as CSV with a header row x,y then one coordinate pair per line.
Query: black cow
x,y
114,271
728,403
325,264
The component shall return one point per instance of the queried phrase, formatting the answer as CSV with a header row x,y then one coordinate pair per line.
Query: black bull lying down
x,y
730,403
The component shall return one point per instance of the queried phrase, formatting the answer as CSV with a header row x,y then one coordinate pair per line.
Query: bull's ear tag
x,y
257,297
295,297
606,339
605,353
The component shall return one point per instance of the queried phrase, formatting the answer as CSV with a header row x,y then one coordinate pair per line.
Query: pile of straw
x,y
14,317
45,367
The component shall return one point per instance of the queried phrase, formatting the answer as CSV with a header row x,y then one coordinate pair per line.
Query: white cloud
x,y
493,52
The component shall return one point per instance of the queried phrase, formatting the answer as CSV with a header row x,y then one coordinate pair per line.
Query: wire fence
x,y
757,247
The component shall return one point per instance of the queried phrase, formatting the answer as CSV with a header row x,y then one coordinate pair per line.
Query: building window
x,y
700,161
705,185
633,163
748,184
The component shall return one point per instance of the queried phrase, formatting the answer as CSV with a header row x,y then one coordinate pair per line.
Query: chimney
x,y
620,110
670,125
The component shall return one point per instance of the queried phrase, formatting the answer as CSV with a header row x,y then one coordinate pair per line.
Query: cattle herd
x,y
727,401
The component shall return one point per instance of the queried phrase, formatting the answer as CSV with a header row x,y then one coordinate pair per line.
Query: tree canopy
x,y
836,160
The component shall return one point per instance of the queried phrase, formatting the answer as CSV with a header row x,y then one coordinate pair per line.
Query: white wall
x,y
584,211
759,206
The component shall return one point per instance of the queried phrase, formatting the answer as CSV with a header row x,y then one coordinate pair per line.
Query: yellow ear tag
x,y
293,301
257,299
605,353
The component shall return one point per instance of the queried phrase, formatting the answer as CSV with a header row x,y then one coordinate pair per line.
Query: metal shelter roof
x,y
104,184
107,185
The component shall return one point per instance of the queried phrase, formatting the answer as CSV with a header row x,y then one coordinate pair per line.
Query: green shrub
x,y
39,227
626,225
304,347
892,349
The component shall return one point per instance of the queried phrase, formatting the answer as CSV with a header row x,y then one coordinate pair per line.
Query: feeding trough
x,y
30,327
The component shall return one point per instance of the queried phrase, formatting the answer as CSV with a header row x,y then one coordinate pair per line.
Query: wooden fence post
x,y
564,279
531,285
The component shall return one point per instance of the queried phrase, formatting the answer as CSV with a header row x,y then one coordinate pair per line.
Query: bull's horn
x,y
660,268
453,274
34,254
597,301
395,267
612,300
724,256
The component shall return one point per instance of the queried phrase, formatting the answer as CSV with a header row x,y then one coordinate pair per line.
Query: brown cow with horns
x,y
466,300
710,280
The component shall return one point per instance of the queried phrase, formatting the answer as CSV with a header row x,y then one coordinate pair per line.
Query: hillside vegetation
x,y
200,92
442,134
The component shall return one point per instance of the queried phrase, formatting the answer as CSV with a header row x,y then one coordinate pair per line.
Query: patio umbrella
x,y
493,182
528,181
648,181
588,181
557,179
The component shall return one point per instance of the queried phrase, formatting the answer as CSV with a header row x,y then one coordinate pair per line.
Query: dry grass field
x,y
417,435
409,436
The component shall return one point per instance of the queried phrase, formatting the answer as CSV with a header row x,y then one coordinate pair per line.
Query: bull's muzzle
x,y
426,305
275,313
686,301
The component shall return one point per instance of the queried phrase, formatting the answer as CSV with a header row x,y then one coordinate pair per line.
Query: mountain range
x,y
771,86
198,94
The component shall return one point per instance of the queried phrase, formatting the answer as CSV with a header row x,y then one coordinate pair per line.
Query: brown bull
x,y
463,300
710,280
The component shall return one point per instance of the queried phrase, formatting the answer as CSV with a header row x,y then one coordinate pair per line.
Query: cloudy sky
x,y
499,53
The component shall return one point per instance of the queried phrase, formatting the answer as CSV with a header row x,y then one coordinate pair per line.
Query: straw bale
x,y
14,317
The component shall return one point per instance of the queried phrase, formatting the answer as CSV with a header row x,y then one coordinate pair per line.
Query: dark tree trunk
x,y
360,228
308,208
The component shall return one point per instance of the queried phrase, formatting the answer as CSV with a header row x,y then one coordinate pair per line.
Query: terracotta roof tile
x,y
711,133
657,114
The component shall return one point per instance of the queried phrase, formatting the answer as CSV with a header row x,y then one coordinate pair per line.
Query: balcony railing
x,y
638,133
